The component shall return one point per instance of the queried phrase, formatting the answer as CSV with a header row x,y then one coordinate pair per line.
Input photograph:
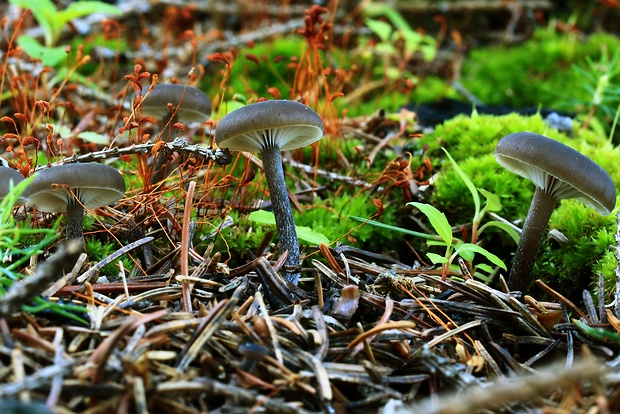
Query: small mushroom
x,y
269,127
252,354
73,187
559,172
9,178
171,103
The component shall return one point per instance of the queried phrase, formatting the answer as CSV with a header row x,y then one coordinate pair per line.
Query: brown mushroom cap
x,y
195,105
558,169
95,185
9,178
285,124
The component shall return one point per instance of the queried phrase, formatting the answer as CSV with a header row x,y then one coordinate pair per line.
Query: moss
x,y
574,266
433,88
273,70
538,72
453,198
235,240
471,136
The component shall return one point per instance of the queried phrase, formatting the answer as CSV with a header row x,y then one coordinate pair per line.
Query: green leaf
x,y
79,9
493,200
503,226
62,131
310,236
436,258
380,28
485,268
50,56
229,106
52,20
262,217
93,137
44,13
597,333
470,186
303,233
63,72
436,243
473,248
394,228
8,202
83,8
438,220
385,49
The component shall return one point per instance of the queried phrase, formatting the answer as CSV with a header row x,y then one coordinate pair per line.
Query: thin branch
x,y
219,156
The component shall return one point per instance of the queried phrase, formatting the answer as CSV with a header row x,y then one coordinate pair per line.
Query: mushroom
x,y
171,103
73,187
559,172
9,178
269,127
252,354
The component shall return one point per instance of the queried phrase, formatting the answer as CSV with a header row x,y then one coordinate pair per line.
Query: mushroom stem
x,y
272,163
532,234
75,220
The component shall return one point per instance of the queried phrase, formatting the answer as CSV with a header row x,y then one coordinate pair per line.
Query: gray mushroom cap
x,y
195,104
95,185
285,124
9,178
558,169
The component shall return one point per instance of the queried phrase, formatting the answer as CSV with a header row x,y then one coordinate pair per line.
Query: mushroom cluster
x,y
559,172
73,187
171,103
267,128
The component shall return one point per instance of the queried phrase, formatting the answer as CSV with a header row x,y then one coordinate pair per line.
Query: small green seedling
x,y
492,204
455,247
52,21
395,29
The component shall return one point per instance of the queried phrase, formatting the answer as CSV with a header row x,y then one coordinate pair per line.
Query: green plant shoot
x,y
52,20
492,204
453,246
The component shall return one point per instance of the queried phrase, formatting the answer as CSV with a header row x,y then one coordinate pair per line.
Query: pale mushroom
x,y
170,103
559,172
9,178
73,187
269,127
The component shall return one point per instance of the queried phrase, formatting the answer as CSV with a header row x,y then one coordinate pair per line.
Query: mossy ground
x,y
569,267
